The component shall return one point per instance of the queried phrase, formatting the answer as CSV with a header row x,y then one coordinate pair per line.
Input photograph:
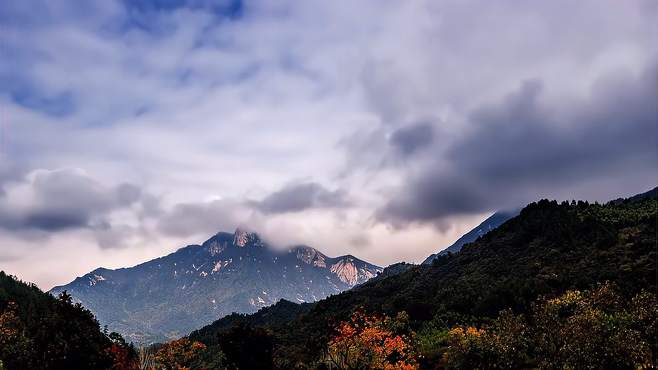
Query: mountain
x,y
170,296
39,331
486,226
545,251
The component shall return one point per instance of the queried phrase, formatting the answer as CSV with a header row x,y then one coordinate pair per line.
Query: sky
x,y
379,128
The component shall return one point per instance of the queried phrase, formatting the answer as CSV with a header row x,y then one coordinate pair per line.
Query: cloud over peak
x,y
302,196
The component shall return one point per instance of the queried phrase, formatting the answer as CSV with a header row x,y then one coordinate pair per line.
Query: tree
x,y
146,358
246,347
372,342
598,329
503,345
178,354
14,346
124,356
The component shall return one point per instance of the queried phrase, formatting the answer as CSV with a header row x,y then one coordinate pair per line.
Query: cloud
x,y
300,197
207,218
525,147
50,201
409,140
360,240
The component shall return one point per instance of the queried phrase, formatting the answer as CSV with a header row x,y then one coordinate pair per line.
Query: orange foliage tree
x,y
122,357
372,342
122,354
178,354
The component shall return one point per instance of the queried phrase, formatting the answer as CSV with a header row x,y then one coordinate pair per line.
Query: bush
x,y
588,329
372,342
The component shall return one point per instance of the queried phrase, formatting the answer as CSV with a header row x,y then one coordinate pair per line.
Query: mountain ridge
x,y
169,296
548,249
490,223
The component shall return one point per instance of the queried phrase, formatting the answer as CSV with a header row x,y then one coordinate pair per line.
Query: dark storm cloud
x,y
299,197
53,219
51,201
522,148
411,139
386,146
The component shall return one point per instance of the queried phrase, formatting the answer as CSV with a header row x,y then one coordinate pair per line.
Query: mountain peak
x,y
242,237
310,256
230,272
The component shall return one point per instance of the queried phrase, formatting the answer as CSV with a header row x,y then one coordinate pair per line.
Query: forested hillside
x,y
38,331
486,226
552,252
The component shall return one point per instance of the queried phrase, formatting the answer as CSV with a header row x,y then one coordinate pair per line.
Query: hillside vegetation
x,y
39,331
550,250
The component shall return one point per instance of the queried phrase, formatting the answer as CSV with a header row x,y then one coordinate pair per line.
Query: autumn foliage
x,y
178,354
372,342
123,358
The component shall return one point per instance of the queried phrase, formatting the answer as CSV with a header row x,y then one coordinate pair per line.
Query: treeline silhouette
x,y
39,331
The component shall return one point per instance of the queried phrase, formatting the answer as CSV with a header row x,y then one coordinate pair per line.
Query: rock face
x,y
170,296
348,271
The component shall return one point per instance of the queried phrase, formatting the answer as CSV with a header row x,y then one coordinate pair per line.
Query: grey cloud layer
x,y
50,201
191,218
523,147
187,219
300,197
409,140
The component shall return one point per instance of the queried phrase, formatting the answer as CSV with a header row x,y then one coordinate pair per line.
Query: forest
x,y
39,331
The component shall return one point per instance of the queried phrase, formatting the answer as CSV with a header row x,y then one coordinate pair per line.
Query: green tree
x,y
599,328
595,329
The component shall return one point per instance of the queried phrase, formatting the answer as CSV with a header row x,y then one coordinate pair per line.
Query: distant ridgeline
x,y
168,297
486,226
454,305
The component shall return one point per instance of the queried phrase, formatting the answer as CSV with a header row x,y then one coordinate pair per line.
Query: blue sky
x,y
384,129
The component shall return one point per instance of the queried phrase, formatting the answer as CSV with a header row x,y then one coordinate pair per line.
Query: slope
x,y
549,248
